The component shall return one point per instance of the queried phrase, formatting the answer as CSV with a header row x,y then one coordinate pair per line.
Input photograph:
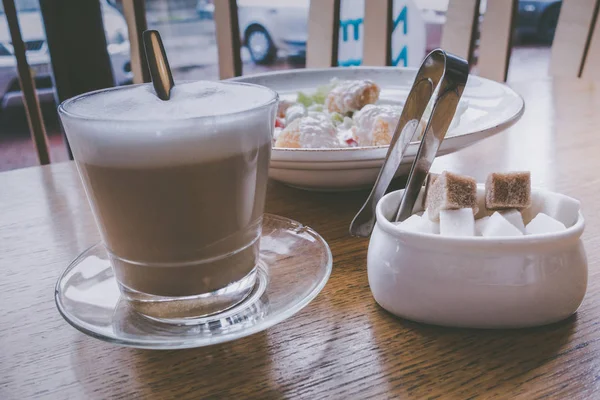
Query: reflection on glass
x,y
273,35
32,30
273,29
188,34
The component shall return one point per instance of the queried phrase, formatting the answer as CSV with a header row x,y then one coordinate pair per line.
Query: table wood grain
x,y
342,345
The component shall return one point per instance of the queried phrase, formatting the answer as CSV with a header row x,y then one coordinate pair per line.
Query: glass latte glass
x,y
177,189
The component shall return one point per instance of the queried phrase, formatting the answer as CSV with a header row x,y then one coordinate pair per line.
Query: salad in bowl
x,y
341,114
334,125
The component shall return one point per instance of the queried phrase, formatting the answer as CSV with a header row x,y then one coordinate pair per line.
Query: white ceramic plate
x,y
492,107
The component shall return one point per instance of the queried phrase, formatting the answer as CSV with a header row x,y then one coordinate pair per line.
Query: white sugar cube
x,y
417,223
515,218
411,223
558,206
537,204
430,226
562,208
543,223
480,225
498,226
457,222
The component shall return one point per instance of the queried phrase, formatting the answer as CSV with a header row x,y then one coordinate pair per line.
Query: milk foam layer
x,y
131,126
188,100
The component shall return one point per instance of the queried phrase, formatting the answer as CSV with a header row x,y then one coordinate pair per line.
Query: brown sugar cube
x,y
431,178
451,192
429,181
508,190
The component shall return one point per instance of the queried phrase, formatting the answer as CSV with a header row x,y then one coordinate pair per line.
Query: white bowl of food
x,y
343,147
478,282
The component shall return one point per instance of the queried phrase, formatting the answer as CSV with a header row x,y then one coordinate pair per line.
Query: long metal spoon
x,y
162,78
433,69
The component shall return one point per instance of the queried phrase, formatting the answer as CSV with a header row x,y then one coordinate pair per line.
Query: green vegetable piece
x,y
318,97
304,99
337,118
316,107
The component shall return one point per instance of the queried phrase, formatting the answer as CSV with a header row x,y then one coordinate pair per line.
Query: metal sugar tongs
x,y
450,73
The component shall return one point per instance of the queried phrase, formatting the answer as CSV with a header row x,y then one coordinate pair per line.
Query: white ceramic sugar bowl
x,y
476,282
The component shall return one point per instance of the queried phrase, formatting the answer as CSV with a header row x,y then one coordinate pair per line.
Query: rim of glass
x,y
62,108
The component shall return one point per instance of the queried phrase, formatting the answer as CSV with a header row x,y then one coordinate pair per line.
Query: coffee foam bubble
x,y
131,126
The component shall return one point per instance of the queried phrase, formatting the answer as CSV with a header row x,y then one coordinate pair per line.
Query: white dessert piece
x,y
543,223
498,226
352,95
457,222
375,124
294,112
309,133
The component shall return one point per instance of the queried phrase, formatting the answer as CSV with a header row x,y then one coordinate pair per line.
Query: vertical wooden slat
x,y
496,37
31,101
77,45
78,49
460,29
378,33
135,15
323,33
591,66
228,38
572,37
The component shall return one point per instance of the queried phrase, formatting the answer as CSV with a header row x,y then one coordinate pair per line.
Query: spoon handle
x,y
158,64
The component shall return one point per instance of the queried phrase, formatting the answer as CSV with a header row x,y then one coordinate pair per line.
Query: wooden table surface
x,y
342,345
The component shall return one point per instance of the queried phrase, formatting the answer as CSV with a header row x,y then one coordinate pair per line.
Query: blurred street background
x,y
188,31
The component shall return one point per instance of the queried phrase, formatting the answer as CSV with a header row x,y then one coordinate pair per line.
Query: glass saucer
x,y
295,263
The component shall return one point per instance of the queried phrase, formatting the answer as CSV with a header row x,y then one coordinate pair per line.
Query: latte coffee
x,y
177,188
